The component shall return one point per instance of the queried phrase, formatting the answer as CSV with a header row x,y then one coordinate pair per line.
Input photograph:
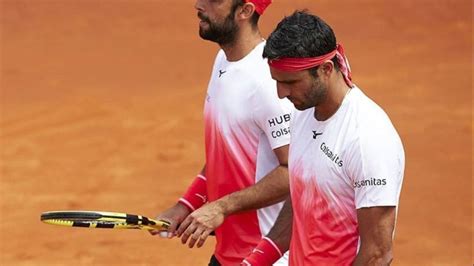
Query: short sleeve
x,y
376,168
272,114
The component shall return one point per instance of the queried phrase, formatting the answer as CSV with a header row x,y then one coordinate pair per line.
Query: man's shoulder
x,y
371,122
368,112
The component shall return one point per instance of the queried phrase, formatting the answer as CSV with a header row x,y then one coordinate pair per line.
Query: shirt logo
x,y
331,155
221,72
280,132
203,198
316,134
370,182
278,120
255,250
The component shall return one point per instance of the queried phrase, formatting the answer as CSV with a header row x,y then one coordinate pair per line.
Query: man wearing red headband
x,y
246,138
346,160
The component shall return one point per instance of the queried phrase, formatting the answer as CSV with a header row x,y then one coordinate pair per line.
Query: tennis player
x,y
246,137
346,160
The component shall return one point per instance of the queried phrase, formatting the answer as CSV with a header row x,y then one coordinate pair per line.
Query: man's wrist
x,y
223,206
265,253
196,194
182,208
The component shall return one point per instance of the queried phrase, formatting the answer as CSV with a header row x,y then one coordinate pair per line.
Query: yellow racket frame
x,y
102,219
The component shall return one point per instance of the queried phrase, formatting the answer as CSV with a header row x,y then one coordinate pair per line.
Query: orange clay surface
x,y
101,109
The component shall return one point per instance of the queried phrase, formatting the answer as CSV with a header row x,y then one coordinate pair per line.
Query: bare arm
x,y
280,233
272,188
376,227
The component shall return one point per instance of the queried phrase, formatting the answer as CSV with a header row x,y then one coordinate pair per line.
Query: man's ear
x,y
246,11
326,68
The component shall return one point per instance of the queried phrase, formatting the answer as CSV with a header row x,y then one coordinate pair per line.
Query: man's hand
x,y
200,223
174,215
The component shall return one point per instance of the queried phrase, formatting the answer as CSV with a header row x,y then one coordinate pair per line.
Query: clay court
x,y
101,109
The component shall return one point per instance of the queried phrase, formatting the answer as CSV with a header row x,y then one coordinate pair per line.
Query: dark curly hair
x,y
301,35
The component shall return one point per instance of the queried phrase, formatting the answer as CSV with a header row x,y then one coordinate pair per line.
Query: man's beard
x,y
315,96
318,93
222,34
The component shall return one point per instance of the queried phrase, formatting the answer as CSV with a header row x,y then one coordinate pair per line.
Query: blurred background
x,y
101,108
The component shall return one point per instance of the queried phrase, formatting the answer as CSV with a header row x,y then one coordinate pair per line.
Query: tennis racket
x,y
100,219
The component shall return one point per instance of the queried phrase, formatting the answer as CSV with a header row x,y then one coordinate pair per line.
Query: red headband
x,y
289,64
260,5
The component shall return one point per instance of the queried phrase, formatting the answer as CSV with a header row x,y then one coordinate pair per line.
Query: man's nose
x,y
199,5
283,90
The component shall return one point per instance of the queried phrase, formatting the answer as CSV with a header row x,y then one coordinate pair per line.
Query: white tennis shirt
x,y
244,122
354,159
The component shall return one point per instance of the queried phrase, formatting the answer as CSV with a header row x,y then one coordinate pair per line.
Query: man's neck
x,y
245,42
336,94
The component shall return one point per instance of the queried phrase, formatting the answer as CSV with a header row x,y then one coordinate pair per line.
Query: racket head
x,y
102,219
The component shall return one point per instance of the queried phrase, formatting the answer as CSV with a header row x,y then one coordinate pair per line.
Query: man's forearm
x,y
272,188
280,233
376,225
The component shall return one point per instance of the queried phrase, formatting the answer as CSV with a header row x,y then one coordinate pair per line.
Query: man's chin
x,y
203,33
301,107
206,36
